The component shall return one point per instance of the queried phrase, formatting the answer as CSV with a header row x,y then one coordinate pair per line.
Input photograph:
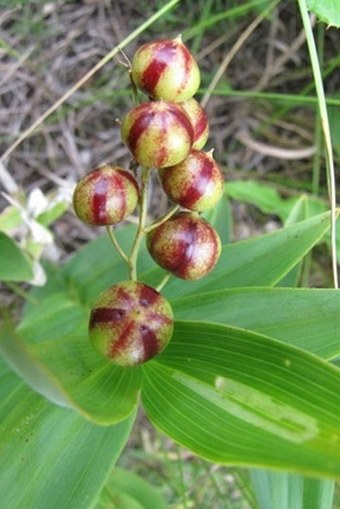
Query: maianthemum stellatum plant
x,y
225,355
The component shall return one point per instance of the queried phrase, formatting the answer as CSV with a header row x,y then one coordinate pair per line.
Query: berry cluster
x,y
131,322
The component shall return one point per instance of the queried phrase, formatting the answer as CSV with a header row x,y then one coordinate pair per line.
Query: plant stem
x,y
162,220
132,261
163,282
21,292
116,244
326,131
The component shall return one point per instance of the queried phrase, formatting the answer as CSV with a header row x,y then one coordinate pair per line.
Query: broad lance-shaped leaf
x,y
69,372
142,495
237,397
50,456
306,318
282,490
260,261
14,264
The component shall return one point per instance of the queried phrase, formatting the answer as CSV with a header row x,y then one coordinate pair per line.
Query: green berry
x,y
199,121
196,183
158,134
185,245
105,196
165,69
130,323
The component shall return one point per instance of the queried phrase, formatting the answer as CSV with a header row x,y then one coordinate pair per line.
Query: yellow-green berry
x,y
165,69
130,323
199,121
105,196
158,133
185,245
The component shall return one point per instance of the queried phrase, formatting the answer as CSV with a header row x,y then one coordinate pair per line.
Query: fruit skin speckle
x,y
165,69
158,133
105,196
185,245
196,183
199,120
130,323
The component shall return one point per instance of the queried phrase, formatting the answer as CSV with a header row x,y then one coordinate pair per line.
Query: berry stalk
x,y
132,261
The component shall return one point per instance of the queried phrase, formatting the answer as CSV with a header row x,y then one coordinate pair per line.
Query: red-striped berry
x,y
158,134
130,323
165,69
199,121
105,196
196,183
185,245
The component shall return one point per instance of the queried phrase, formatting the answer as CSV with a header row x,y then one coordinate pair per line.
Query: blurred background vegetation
x,y
258,91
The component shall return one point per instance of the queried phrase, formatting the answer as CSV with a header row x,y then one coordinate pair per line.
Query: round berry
x,y
158,134
105,196
186,245
165,69
130,323
199,121
196,183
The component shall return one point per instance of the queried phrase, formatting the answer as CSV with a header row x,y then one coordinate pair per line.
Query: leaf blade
x,y
14,265
51,457
238,398
306,318
260,261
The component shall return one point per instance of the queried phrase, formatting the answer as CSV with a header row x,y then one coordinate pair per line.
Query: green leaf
x,y
305,318
281,490
98,266
14,265
10,219
326,10
139,491
221,218
263,196
268,200
69,372
236,397
51,457
260,261
53,213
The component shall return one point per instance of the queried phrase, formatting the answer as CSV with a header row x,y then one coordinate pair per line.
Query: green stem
x,y
22,293
162,220
133,90
132,262
116,244
163,282
326,131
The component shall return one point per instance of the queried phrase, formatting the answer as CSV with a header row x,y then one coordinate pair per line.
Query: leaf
x,y
268,200
135,487
14,265
220,217
69,372
98,266
260,261
281,490
239,398
263,196
305,318
51,457
326,10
